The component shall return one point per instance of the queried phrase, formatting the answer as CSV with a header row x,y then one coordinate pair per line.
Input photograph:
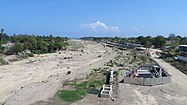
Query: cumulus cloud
x,y
99,26
135,29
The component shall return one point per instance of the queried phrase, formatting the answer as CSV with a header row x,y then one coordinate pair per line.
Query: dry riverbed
x,y
39,78
35,81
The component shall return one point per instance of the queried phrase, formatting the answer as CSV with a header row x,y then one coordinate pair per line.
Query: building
x,y
7,45
182,53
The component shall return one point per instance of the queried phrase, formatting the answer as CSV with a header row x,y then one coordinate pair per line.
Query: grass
x,y
79,92
71,95
87,84
81,86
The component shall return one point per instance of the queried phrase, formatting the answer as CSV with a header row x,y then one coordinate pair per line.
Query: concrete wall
x,y
147,81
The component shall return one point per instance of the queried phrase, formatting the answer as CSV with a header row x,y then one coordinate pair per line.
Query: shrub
x,y
15,49
3,62
30,54
69,72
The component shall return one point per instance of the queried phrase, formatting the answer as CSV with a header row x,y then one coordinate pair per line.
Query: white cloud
x,y
99,26
135,29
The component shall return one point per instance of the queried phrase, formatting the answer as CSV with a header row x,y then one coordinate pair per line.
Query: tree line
x,y
147,41
32,43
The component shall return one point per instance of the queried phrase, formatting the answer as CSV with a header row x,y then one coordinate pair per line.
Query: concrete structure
x,y
147,75
106,91
182,53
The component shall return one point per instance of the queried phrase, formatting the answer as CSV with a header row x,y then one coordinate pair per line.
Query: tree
x,y
140,39
15,49
159,41
148,44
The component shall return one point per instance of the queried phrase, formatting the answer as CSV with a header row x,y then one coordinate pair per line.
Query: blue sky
x,y
77,18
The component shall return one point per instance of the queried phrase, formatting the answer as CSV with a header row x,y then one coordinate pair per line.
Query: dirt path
x,y
34,79
178,77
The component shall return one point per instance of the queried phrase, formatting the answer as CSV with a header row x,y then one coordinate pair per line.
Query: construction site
x,y
147,75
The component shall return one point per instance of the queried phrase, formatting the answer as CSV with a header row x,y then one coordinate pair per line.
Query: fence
x,y
148,81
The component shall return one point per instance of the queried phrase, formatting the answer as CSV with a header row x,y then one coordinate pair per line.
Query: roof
x,y
183,45
141,48
149,65
143,71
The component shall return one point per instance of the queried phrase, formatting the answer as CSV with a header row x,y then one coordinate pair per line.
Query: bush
x,y
30,54
15,49
3,62
69,72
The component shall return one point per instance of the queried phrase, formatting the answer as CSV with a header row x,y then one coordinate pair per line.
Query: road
x,y
178,77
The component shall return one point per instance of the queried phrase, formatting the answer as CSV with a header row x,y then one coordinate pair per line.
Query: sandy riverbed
x,y
39,78
35,80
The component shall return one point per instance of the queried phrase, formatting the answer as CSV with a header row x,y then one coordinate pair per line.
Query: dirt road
x,y
174,93
178,77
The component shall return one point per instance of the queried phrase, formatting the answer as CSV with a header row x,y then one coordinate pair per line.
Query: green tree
x,y
159,41
148,44
15,49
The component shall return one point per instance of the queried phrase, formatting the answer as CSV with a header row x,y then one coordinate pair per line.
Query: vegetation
x,y
131,60
147,41
71,95
99,56
69,72
3,62
81,86
34,44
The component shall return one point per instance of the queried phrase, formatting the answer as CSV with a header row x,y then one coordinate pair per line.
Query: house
x,y
8,45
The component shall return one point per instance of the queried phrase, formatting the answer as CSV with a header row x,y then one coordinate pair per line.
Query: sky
x,y
78,18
